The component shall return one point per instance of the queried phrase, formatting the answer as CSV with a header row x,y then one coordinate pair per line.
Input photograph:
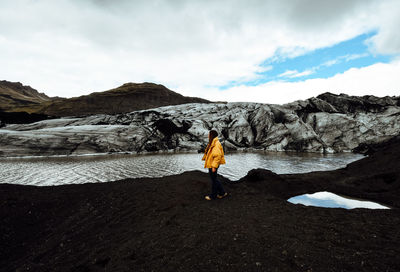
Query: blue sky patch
x,y
321,63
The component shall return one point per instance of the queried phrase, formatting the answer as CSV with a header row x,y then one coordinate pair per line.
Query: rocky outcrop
x,y
322,124
353,104
20,118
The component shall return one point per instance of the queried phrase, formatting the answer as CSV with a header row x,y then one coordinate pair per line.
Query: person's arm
x,y
205,152
217,156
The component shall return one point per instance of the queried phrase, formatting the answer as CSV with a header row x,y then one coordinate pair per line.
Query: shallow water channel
x,y
43,171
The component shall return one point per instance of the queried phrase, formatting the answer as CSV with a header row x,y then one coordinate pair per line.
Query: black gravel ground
x,y
165,224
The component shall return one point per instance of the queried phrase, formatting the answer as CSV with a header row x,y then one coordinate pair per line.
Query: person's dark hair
x,y
213,134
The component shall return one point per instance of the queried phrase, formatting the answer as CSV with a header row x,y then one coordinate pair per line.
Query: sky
x,y
229,50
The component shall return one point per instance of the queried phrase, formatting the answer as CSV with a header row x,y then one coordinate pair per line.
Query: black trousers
x,y
216,186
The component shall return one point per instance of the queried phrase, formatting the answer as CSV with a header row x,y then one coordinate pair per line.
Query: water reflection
x,y
102,168
330,200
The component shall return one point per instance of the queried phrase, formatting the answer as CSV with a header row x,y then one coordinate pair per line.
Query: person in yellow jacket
x,y
214,157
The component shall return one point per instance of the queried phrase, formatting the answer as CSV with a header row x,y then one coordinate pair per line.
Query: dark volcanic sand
x,y
165,224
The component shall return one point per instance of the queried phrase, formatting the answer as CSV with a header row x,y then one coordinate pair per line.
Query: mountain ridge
x,y
14,95
125,98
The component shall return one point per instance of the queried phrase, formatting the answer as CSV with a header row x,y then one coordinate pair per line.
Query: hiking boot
x,y
222,196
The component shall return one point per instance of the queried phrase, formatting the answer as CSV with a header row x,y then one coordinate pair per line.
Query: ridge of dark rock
x,y
354,104
24,89
15,97
20,118
126,98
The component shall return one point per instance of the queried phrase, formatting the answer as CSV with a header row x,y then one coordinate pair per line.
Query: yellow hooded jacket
x,y
214,155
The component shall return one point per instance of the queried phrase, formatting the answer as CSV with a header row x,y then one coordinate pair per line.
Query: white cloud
x,y
288,73
304,73
71,47
330,63
295,73
378,79
354,56
340,59
387,21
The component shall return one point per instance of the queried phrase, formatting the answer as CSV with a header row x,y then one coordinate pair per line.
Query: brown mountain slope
x,y
126,98
14,95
